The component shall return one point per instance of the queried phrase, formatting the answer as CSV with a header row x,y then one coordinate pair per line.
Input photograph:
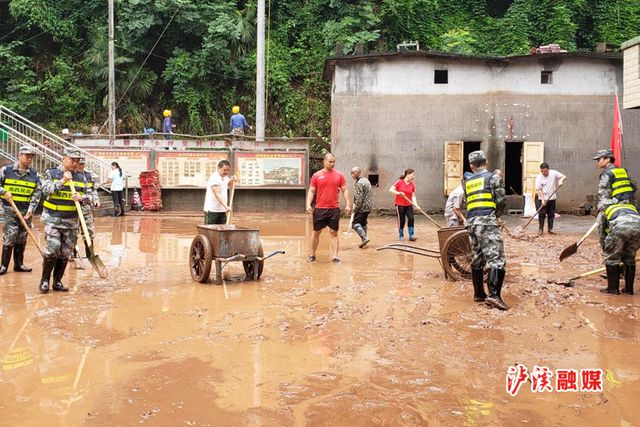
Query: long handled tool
x,y
421,211
570,281
348,233
233,190
568,251
26,227
94,259
520,230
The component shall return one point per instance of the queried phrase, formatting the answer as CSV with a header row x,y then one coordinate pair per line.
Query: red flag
x,y
616,134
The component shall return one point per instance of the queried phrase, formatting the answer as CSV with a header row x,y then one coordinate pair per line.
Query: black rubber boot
x,y
122,205
18,259
58,273
47,267
629,277
613,280
496,278
362,234
6,257
477,276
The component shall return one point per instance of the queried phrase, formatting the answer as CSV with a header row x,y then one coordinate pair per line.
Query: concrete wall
x,y
386,117
245,200
632,76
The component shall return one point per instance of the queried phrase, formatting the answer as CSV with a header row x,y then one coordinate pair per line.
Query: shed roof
x,y
630,43
330,63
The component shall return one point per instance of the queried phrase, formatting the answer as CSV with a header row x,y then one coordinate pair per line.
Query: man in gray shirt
x,y
362,204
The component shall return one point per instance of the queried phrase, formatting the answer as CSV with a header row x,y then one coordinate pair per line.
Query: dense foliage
x,y
53,53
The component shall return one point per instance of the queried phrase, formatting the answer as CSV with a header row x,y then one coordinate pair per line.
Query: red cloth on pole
x,y
616,134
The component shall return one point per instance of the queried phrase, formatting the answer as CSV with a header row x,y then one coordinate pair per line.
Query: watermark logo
x,y
541,380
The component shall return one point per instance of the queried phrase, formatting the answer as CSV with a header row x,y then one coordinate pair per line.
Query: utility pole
x,y
112,75
260,67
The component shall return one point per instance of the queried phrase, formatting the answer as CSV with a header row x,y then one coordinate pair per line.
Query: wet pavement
x,y
380,339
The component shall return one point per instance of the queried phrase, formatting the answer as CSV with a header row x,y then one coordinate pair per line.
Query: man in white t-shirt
x,y
453,208
215,201
547,183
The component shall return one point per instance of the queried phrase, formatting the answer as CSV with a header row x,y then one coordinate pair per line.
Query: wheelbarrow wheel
x,y
249,265
456,256
200,259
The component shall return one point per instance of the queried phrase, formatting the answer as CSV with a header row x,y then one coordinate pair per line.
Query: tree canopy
x,y
198,58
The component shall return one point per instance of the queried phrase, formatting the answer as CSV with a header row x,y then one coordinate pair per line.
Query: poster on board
x,y
187,169
132,162
271,169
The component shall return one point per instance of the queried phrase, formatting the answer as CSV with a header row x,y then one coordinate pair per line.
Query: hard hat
x,y
166,113
235,109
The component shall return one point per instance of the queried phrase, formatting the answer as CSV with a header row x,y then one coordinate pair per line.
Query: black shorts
x,y
326,218
361,218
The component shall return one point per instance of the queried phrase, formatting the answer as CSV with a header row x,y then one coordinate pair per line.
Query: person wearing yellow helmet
x,y
167,124
238,122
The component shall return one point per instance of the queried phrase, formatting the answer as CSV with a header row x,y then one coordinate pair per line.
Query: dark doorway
x,y
468,147
513,167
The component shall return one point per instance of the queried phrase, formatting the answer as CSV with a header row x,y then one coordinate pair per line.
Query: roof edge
x,y
630,43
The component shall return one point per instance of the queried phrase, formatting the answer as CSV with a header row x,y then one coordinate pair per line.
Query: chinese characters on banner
x,y
542,379
272,169
132,163
190,169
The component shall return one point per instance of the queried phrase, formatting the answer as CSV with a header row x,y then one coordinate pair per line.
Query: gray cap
x,y
477,155
83,160
604,153
26,149
74,153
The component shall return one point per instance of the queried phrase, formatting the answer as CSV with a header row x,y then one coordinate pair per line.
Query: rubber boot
x,y
122,205
496,278
477,276
362,234
629,277
412,236
47,267
613,280
58,273
18,259
401,234
6,257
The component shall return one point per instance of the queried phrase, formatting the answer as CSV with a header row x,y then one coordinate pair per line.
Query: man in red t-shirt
x,y
325,187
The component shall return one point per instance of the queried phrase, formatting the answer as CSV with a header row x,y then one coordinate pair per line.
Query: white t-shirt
x,y
117,181
211,204
453,201
548,184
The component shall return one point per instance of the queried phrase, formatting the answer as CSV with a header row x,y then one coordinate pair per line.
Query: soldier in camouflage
x,y
362,205
60,217
619,223
22,184
87,209
485,197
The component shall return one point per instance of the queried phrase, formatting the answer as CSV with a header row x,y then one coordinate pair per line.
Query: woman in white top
x,y
117,187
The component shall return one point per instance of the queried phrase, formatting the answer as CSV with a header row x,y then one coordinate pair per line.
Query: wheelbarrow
x,y
222,244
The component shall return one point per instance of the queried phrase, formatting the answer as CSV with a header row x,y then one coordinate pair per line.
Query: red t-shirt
x,y
327,185
407,189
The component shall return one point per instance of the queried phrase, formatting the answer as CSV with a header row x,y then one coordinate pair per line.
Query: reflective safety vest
x,y
60,204
619,209
20,187
89,179
480,201
620,184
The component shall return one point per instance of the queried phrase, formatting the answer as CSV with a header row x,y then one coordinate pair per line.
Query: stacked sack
x,y
150,188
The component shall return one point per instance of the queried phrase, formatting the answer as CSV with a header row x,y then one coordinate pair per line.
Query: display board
x,y
132,162
187,169
270,169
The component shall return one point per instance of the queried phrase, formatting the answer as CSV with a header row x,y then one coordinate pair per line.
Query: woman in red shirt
x,y
405,191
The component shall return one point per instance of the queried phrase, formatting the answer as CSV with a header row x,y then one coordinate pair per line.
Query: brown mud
x,y
380,339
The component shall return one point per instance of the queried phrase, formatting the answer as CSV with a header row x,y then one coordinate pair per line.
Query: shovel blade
x,y
98,265
567,252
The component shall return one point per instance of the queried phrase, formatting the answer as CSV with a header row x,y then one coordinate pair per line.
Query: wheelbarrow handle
x,y
236,257
270,255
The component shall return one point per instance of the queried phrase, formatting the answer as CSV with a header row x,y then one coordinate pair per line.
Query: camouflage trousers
x,y
13,232
88,218
622,242
486,246
60,241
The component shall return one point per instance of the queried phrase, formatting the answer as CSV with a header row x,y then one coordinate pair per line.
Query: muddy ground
x,y
381,339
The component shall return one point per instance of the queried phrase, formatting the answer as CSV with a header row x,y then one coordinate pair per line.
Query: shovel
x,y
348,233
233,190
570,281
421,211
94,259
26,227
519,231
568,251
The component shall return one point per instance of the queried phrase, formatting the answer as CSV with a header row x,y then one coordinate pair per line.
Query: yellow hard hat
x,y
235,109
166,113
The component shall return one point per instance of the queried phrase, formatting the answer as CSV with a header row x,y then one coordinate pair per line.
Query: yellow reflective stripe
x,y
53,207
477,205
481,196
620,183
20,182
20,198
19,190
621,190
614,208
619,173
474,185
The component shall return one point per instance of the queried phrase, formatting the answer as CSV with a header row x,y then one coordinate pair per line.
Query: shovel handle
x,y
592,272
26,227
233,190
421,211
589,231
539,210
85,231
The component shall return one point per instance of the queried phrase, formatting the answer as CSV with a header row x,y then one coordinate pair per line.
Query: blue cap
x,y
467,175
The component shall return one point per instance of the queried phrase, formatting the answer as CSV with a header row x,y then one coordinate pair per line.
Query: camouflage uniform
x,y
362,206
605,199
87,208
25,187
485,199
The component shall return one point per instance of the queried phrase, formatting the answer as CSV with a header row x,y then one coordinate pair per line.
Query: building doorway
x,y
512,174
468,147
